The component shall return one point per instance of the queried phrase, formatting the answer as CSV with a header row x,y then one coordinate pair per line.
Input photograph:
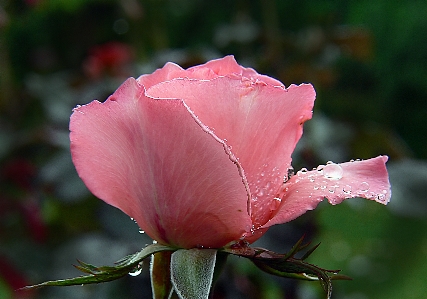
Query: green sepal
x,y
192,272
287,265
106,273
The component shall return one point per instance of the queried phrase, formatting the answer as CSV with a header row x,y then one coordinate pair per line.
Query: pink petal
x,y
336,182
260,122
219,67
154,162
228,67
168,72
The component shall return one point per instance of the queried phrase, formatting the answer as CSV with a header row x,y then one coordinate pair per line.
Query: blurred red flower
x,y
112,58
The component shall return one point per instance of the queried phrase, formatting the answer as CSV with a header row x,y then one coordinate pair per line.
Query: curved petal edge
x,y
336,182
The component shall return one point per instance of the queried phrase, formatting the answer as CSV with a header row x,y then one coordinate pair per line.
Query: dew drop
x,y
332,188
302,171
347,189
141,231
364,186
332,171
316,187
290,172
136,271
260,192
320,168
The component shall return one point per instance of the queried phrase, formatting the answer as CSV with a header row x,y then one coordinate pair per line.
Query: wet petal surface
x,y
336,182
153,161
260,123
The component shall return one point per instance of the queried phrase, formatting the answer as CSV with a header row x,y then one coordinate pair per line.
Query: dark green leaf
x,y
106,273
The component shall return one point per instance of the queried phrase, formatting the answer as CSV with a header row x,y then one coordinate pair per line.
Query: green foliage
x,y
123,267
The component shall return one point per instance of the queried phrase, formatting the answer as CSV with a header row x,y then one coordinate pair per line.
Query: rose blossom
x,y
198,157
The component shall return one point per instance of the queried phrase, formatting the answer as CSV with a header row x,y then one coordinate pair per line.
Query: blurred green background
x,y
366,59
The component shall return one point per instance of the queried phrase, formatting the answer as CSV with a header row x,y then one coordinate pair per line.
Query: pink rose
x,y
198,157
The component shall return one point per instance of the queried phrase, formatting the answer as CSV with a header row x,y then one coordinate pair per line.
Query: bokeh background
x,y
366,58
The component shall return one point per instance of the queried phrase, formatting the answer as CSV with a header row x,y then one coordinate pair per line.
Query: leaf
x,y
105,273
89,279
192,271
286,265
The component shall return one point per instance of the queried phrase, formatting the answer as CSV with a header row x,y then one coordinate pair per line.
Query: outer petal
x,y
168,72
228,67
260,122
154,162
336,182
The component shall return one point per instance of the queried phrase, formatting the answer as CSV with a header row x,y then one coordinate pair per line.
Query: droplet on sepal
x,y
136,271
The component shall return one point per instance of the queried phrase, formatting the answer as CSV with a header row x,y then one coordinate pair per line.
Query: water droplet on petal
x,y
363,187
320,168
333,188
289,174
302,171
381,197
333,171
346,189
260,192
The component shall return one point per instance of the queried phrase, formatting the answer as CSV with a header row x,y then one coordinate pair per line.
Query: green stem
x,y
160,275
